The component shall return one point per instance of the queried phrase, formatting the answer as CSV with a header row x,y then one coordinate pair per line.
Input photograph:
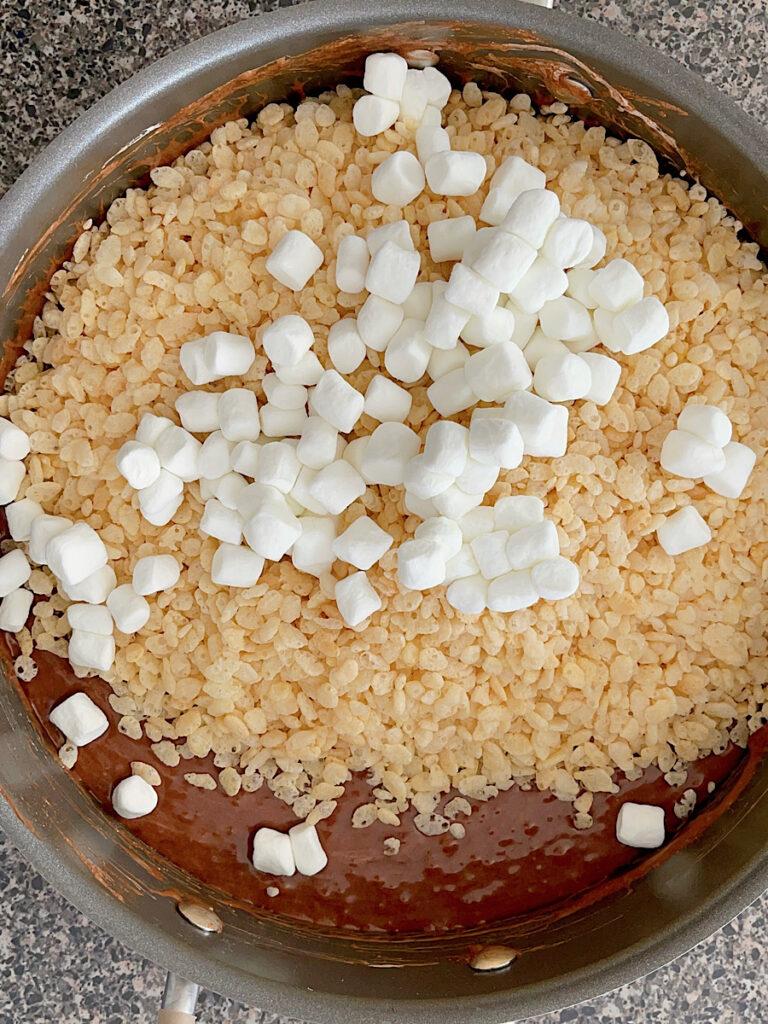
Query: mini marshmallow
x,y
445,320
270,527
75,553
496,206
372,115
540,284
596,251
161,515
234,565
151,427
91,651
419,302
605,377
562,378
20,515
294,260
11,476
227,355
448,238
392,273
732,478
281,422
490,552
301,495
503,260
160,495
443,361
192,361
497,326
431,139
497,372
446,448
398,179
462,564
198,412
386,401
421,507
129,610
640,826
14,443
469,291
95,589
154,573
568,242
420,564
517,511
580,286
683,531
377,322
438,87
385,75
707,422
390,448
317,444
495,442
455,503
312,550
92,618
284,396
354,453
525,325
346,349
468,595
407,355
413,102
531,216
539,346
446,533
362,544
352,260
79,719
308,853
423,482
336,401
451,393
356,599
686,455
565,319
288,339
272,853
306,372
554,579
640,326
616,286
533,544
336,486
134,798
455,172
477,478
515,175
279,465
221,522
14,610
179,453
245,458
511,592
397,231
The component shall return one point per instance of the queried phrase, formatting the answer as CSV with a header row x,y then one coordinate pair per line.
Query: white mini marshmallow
x,y
490,553
565,319
605,377
596,252
451,393
312,551
443,361
495,441
687,455
20,515
413,102
129,610
540,284
221,522
160,495
448,238
392,272
525,325
306,372
511,592
192,361
198,412
707,422
294,260
438,87
477,478
279,465
568,242
540,345
362,544
503,260
377,322
468,290
356,599
616,286
91,650
134,797
354,453
462,564
235,565
288,339
317,444
336,401
431,139
93,618
562,378
14,610
386,401
640,826
446,448
423,482
270,527
446,533
308,853
683,531
397,231
385,75
75,553
421,507
732,478
455,172
390,448
554,579
79,719
420,564
398,179
272,852
14,442
580,286
497,326
407,355
284,396
346,349
531,216
419,302
445,320
300,492
515,175
227,355
517,511
281,422
496,206
336,486
372,115
497,372
455,503
154,573
151,427
533,544
640,326
244,458
160,515
95,589
11,476
352,260
179,453
468,595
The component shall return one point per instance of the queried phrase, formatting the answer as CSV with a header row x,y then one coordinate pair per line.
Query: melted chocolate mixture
x,y
521,853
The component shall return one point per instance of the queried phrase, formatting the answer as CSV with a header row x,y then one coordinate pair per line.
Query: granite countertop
x,y
56,58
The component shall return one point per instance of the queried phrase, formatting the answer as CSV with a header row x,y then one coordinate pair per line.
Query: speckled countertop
x,y
56,58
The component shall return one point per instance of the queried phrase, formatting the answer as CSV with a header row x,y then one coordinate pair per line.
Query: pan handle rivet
x,y
421,58
199,916
493,958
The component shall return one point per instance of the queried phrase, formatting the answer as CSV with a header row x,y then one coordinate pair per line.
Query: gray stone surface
x,y
56,58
